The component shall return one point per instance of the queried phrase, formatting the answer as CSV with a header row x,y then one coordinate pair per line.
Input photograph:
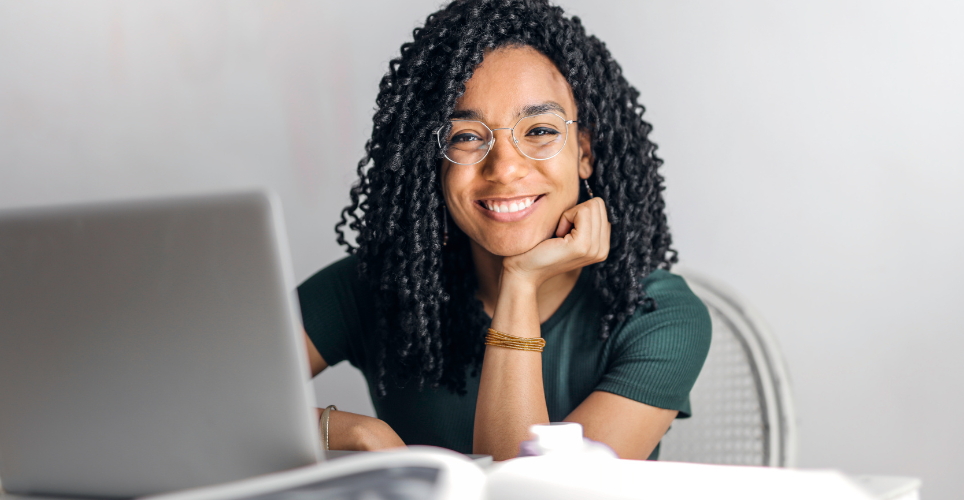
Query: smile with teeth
x,y
508,207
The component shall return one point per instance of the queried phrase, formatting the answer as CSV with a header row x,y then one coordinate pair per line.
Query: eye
x,y
462,137
542,131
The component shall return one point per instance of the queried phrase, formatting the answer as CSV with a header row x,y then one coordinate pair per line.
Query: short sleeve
x,y
658,354
330,303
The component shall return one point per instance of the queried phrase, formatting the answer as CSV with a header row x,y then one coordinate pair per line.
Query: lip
x,y
510,216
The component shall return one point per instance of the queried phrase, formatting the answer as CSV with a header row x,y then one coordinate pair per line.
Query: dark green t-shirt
x,y
653,358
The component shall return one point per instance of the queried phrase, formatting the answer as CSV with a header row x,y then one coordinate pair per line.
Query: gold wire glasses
x,y
469,141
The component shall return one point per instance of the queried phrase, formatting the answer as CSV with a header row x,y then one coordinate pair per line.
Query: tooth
x,y
513,207
528,202
495,208
488,205
503,208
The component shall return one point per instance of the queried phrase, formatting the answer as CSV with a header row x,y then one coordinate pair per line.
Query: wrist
x,y
516,308
376,435
517,283
354,432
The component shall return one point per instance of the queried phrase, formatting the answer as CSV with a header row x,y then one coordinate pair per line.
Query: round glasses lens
x,y
541,136
467,141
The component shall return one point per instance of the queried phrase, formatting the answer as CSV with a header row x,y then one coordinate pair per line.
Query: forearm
x,y
511,395
353,432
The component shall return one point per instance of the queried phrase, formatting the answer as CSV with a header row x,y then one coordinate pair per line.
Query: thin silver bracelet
x,y
324,423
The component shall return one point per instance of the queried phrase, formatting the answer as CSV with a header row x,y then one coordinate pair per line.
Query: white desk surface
x,y
668,480
625,479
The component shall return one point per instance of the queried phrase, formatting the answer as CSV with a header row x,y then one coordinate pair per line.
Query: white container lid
x,y
558,436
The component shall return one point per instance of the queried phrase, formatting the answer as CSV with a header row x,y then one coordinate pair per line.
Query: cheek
x,y
449,179
566,181
455,182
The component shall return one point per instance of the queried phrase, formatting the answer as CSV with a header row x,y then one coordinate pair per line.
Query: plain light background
x,y
814,158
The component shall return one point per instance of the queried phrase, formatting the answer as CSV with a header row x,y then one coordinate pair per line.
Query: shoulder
x,y
673,296
657,354
670,291
333,310
335,289
343,271
676,320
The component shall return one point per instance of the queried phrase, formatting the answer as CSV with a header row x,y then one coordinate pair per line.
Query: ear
x,y
585,154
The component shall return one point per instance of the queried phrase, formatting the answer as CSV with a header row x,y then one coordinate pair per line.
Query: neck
x,y
488,270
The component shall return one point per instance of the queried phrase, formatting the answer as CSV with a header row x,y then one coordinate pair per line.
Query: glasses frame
x,y
515,142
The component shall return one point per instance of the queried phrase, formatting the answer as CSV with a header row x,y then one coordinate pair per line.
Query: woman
x,y
508,184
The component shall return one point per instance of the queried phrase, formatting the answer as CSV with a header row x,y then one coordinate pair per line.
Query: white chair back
x,y
743,411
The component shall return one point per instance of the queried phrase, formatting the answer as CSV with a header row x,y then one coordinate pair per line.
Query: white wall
x,y
814,152
814,159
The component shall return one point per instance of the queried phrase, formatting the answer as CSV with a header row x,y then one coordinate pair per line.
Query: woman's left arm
x,y
511,394
632,429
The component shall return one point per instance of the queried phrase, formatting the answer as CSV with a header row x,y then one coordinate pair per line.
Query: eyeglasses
x,y
539,137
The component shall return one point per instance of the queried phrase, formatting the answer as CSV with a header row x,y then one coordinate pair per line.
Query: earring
x,y
588,190
445,227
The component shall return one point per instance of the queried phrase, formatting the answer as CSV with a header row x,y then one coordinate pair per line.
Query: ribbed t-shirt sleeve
x,y
329,309
657,355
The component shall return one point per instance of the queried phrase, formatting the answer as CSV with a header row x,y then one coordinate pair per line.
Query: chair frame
x,y
767,365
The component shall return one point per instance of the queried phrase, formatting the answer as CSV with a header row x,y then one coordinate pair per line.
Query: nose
x,y
504,164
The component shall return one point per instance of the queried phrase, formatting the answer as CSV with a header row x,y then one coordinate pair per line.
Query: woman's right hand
x,y
354,432
583,239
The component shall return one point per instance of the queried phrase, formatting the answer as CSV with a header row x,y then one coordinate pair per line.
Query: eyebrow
x,y
531,109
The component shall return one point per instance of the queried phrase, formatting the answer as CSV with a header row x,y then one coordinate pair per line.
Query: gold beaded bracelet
x,y
499,339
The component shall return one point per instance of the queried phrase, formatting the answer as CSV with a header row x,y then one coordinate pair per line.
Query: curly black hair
x,y
430,324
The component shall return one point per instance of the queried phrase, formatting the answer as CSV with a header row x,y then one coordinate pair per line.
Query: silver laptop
x,y
149,346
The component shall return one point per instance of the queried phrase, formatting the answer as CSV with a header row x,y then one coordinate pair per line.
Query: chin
x,y
513,247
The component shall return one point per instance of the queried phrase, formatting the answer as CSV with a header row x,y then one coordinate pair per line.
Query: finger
x,y
603,224
583,229
602,205
550,252
600,221
567,221
593,230
604,233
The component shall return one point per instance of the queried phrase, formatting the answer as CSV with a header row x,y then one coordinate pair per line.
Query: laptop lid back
x,y
149,346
